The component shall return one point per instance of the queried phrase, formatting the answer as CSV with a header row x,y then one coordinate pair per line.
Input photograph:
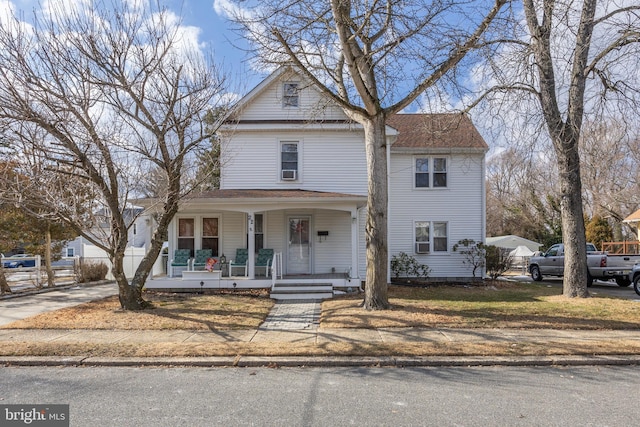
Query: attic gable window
x,y
290,95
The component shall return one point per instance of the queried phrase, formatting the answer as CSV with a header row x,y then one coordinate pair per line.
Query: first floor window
x,y
259,232
186,234
210,235
431,236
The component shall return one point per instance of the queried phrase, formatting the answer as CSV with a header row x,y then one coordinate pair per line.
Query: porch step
x,y
303,291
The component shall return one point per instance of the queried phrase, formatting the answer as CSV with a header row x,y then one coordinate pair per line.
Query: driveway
x,y
599,287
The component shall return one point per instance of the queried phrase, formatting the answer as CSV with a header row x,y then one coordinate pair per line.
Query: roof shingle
x,y
435,131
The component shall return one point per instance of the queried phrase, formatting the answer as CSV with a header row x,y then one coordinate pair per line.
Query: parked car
x,y
599,265
634,277
19,260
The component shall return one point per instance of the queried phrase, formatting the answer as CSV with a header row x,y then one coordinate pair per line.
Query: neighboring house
x,y
138,233
294,179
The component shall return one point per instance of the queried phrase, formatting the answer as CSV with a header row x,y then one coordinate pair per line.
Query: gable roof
x,y
437,131
634,217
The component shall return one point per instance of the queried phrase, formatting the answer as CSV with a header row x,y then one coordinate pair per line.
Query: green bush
x,y
474,254
91,271
404,265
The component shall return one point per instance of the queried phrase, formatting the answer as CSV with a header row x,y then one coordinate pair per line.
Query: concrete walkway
x,y
293,315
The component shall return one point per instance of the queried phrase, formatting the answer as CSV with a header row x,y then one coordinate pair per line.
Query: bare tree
x,y
556,61
372,59
609,164
102,94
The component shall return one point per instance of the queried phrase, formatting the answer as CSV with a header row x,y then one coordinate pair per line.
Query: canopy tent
x,y
520,257
512,242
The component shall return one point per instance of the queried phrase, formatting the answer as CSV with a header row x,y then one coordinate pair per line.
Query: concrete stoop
x,y
307,291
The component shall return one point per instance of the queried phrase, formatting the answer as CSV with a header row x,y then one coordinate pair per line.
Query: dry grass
x,y
501,305
271,349
171,312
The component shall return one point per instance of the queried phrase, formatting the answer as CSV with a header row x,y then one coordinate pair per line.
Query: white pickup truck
x,y
600,265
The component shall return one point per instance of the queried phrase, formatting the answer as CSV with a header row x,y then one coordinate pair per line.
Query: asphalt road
x,y
498,396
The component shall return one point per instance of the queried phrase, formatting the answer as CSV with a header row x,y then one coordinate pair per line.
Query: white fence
x,y
132,258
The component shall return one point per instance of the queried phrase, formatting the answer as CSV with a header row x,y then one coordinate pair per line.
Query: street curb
x,y
328,361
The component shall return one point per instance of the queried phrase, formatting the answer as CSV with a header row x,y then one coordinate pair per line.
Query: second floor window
x,y
289,161
431,172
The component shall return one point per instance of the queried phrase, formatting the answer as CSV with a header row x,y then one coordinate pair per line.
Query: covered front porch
x,y
315,238
311,286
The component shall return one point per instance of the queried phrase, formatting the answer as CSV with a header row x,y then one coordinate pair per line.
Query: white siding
x,y
334,251
460,205
268,104
233,232
327,161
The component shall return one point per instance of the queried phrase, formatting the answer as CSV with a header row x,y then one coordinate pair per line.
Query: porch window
x,y
186,236
290,95
259,232
431,172
289,161
210,235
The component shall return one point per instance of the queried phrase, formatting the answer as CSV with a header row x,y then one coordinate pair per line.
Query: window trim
x,y
432,237
287,95
298,170
431,172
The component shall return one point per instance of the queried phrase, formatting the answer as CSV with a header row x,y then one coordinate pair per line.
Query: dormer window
x,y
291,95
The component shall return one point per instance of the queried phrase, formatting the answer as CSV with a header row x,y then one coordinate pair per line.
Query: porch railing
x,y
618,248
276,268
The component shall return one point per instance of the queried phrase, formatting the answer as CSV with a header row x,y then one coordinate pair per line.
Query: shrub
x,y
90,271
404,265
474,253
498,261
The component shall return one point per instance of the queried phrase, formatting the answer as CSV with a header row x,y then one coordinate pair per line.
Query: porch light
x,y
223,259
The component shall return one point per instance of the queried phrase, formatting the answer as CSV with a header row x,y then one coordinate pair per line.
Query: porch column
x,y
354,244
251,245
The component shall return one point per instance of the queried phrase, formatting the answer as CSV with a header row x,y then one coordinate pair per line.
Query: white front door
x,y
299,248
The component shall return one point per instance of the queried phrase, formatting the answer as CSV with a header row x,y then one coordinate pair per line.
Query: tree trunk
x,y
573,231
130,297
375,296
4,286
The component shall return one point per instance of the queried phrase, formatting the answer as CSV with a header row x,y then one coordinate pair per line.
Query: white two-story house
x,y
294,180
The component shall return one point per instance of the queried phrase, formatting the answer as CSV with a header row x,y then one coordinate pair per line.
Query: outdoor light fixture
x,y
223,259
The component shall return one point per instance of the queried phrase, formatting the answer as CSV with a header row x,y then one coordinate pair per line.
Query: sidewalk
x,y
291,322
